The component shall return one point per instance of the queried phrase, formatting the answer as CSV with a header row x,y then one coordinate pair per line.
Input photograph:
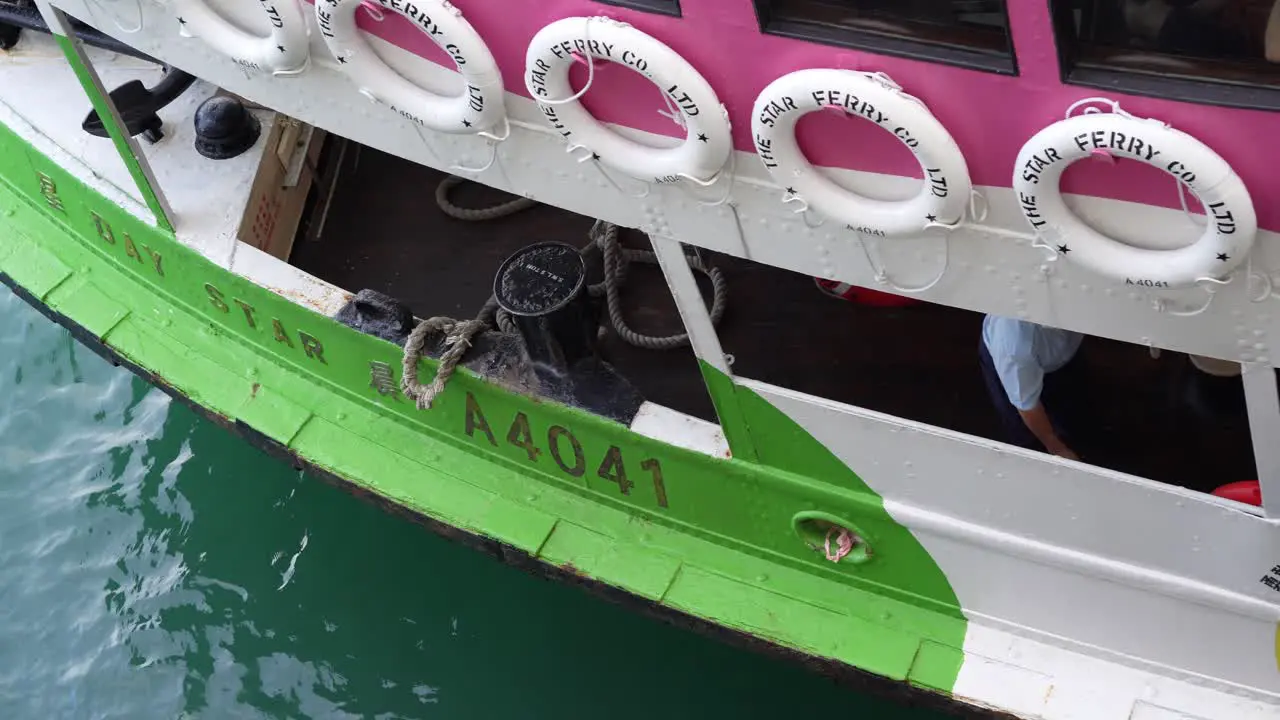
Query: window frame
x,y
992,61
1203,90
670,8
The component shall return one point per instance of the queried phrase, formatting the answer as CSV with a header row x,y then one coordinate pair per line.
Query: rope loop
x,y
458,335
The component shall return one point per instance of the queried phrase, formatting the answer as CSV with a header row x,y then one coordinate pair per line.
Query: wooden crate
x,y
279,192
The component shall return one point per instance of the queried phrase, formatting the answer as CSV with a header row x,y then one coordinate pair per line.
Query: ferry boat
x,y
683,301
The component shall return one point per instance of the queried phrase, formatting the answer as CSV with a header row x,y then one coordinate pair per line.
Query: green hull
x,y
710,540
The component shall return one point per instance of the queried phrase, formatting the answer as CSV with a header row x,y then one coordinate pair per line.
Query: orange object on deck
x,y
1245,491
863,296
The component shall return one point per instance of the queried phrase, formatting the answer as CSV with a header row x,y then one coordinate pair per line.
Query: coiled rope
x,y
458,334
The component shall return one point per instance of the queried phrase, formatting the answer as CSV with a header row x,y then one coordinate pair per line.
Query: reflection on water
x,y
154,566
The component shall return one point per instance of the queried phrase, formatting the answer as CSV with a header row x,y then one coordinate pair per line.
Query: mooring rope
x,y
476,214
458,334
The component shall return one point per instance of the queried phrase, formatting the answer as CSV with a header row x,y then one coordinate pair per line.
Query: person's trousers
x,y
1063,397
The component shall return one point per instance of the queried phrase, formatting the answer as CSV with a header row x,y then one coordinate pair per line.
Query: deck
x,y
1154,417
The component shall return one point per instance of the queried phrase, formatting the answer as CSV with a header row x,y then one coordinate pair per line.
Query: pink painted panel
x,y
989,115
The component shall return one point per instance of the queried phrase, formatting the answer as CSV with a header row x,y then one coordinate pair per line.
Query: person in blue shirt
x,y
1033,376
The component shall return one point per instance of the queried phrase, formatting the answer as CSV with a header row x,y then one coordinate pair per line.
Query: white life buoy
x,y
478,108
1232,221
946,191
707,142
283,52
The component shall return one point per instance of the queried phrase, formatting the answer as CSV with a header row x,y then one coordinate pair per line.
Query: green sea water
x,y
152,565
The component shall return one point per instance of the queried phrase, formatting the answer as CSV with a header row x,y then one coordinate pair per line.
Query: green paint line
x,y
732,423
569,486
74,52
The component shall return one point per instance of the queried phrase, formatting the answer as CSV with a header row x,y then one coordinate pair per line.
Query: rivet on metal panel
x,y
1135,296
1264,359
1259,346
1236,313
762,578
1062,283
1262,318
822,249
1109,292
1085,288
1246,357
990,269
830,274
1243,343
1259,333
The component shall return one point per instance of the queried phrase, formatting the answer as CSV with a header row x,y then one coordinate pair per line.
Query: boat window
x,y
969,33
1212,51
1172,418
662,7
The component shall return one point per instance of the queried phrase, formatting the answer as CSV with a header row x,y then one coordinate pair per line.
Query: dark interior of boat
x,y
380,228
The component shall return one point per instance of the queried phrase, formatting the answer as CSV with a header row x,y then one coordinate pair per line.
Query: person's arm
x,y
1271,40
1023,379
1037,421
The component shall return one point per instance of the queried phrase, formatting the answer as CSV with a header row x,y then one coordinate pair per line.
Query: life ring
x,y
283,52
946,190
478,108
1232,221
707,142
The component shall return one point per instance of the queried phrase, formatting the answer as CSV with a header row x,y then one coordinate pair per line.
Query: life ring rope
x,y
591,74
493,142
373,11
115,20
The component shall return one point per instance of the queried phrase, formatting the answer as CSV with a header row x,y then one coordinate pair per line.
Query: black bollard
x,y
225,128
544,288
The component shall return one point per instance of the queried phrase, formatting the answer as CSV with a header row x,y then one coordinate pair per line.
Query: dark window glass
x,y
973,33
1220,51
661,7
